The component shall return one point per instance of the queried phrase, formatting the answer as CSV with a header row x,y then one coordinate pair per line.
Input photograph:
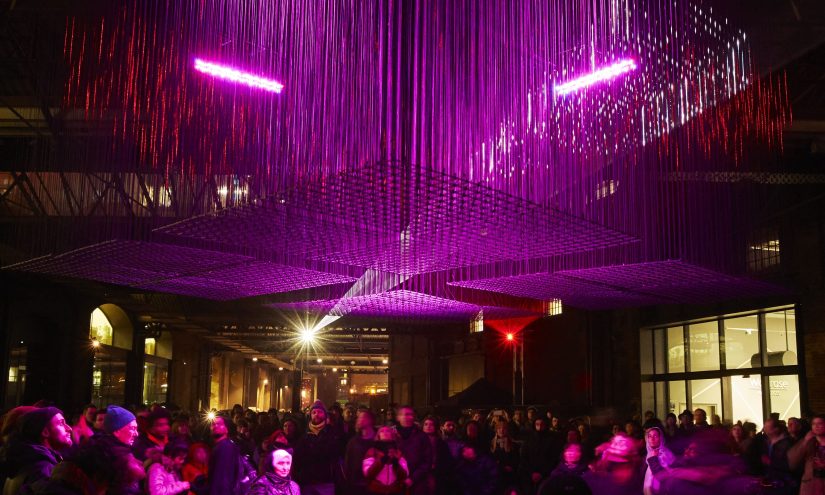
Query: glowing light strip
x,y
237,76
603,74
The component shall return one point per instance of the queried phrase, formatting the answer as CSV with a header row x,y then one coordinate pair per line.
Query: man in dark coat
x,y
119,433
539,455
154,439
225,466
357,448
318,454
417,450
43,434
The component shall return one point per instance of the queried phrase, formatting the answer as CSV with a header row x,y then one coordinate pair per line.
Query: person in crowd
x,y
100,417
291,430
36,451
773,449
82,430
476,472
566,478
540,455
449,433
276,440
442,458
618,471
651,421
356,450
149,445
505,452
633,430
164,476
226,476
655,447
670,427
120,430
384,467
797,429
518,424
737,440
349,418
809,455
181,431
416,449
472,435
88,470
317,453
555,425
700,419
195,470
276,479
243,438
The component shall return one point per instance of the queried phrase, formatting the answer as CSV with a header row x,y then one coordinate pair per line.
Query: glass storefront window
x,y
707,394
733,383
780,338
742,342
744,397
99,328
676,350
645,351
155,381
784,391
109,377
678,397
659,350
704,346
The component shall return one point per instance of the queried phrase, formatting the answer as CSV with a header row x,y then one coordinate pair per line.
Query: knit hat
x,y
33,422
116,418
13,419
318,405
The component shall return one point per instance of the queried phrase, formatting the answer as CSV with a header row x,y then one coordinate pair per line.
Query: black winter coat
x,y
224,468
317,457
418,452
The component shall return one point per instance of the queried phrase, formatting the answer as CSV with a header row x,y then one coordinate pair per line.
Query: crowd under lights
x,y
237,76
608,73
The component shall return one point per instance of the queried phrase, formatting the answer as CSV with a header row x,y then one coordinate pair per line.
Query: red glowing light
x,y
510,336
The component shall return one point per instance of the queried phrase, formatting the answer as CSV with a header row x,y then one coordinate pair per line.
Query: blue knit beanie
x,y
116,418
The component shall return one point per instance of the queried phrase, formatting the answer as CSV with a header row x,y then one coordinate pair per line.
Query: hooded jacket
x,y
665,459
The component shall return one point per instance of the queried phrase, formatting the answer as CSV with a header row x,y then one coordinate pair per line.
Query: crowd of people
x,y
348,450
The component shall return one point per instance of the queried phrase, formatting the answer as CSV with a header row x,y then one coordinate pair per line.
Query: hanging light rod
x,y
604,74
237,76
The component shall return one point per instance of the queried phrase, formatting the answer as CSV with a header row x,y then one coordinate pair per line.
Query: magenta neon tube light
x,y
604,74
237,76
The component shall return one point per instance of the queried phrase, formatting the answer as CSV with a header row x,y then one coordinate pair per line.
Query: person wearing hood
x,y
43,434
276,479
317,453
658,456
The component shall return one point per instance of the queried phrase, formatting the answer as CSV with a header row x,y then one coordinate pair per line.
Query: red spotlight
x,y
510,336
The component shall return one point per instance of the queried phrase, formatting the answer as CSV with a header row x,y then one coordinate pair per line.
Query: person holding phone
x,y
385,468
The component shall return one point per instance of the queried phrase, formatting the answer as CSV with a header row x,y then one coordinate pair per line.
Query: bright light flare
x,y
210,416
307,335
510,337
95,343
604,74
237,76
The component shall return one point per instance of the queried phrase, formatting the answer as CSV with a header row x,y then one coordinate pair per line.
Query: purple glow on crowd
x,y
234,75
604,74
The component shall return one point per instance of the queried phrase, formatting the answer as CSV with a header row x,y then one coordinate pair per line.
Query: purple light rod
x,y
604,74
236,76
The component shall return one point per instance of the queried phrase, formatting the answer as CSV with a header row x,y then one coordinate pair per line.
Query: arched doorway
x,y
111,334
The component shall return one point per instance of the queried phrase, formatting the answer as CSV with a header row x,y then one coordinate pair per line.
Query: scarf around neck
x,y
316,429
